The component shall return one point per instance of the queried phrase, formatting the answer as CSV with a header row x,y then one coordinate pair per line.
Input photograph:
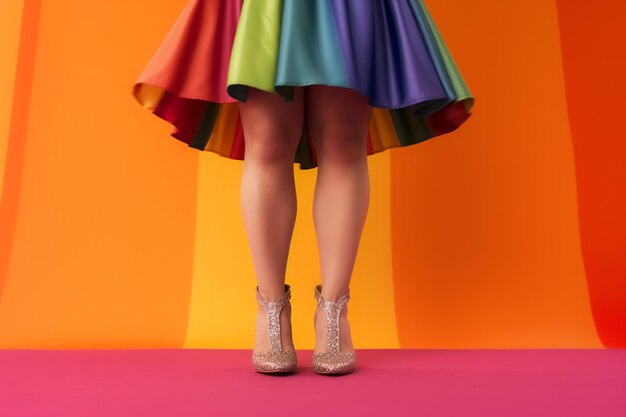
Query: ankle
x,y
272,293
333,294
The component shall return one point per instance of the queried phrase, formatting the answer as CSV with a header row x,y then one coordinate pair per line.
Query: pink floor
x,y
186,383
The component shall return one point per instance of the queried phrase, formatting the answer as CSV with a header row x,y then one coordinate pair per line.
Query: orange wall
x,y
505,233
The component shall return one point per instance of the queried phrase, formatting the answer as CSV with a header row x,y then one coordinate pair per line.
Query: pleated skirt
x,y
390,51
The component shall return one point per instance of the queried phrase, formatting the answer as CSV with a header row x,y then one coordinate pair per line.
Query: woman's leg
x,y
339,120
272,129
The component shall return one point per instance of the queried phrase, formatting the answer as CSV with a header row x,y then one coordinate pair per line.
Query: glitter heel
x,y
333,361
275,359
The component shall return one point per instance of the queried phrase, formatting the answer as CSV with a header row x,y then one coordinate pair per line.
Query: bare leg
x,y
272,129
339,120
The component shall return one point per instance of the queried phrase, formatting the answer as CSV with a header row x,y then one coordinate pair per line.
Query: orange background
x,y
507,233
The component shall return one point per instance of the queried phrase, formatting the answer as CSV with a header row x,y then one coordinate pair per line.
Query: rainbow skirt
x,y
388,50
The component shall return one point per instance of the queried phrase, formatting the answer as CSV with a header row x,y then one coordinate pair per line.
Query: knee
x,y
341,142
270,145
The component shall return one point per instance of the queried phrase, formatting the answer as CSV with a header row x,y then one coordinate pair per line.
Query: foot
x,y
345,337
261,340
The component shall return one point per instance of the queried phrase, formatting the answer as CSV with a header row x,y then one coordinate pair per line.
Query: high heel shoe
x,y
333,361
275,359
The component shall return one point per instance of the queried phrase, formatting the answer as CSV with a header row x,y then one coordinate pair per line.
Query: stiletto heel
x,y
275,359
333,361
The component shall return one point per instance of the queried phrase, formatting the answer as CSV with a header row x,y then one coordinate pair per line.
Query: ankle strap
x,y
281,300
326,304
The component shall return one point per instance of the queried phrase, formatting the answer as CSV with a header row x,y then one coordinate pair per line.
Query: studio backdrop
x,y
508,233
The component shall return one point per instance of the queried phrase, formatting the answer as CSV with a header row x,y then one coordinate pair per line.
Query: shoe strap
x,y
272,310
332,310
